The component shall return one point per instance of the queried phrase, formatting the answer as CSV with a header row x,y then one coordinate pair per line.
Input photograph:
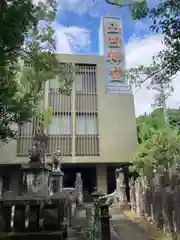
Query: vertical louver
x,y
86,140
63,132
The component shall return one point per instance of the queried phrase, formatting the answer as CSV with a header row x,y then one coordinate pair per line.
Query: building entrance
x,y
88,173
111,178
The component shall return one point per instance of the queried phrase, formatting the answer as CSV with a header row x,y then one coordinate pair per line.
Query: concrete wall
x,y
117,124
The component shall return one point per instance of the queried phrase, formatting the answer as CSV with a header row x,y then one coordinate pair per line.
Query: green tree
x,y
147,125
27,61
161,150
159,142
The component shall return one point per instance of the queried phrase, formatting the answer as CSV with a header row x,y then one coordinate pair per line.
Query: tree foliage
x,y
166,64
27,61
161,149
138,8
159,142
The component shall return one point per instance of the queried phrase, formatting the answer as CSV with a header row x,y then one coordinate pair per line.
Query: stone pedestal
x,y
35,179
56,179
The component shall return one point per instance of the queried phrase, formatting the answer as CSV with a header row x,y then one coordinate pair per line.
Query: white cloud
x,y
92,7
76,6
72,39
140,51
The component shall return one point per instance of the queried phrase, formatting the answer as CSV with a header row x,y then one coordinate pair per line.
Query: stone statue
x,y
139,192
79,188
35,152
56,164
132,193
56,181
120,186
39,145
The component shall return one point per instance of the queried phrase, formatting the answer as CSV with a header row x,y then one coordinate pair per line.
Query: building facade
x,y
94,129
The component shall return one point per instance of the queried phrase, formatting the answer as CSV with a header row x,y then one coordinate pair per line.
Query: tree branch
x,y
119,5
154,73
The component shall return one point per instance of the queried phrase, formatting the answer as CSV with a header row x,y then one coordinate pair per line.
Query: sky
x,y
77,26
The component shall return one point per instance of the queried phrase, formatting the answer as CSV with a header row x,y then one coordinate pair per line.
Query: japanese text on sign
x,y
113,56
113,41
112,28
115,73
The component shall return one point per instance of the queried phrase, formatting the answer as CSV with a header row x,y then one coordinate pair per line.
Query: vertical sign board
x,y
114,55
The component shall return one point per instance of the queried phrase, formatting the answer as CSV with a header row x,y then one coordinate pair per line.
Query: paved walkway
x,y
125,228
122,228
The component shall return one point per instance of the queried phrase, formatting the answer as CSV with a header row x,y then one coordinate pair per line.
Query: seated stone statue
x,y
56,157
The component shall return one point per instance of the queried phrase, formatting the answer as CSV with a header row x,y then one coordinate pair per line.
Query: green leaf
x,y
27,61
139,10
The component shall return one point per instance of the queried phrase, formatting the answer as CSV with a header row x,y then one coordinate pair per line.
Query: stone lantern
x,y
36,173
97,194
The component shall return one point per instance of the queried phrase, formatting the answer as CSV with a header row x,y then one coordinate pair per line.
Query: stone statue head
x,y
117,173
58,153
78,175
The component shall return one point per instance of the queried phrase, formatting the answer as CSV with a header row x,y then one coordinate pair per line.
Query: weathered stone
x,y
79,188
35,179
132,193
120,186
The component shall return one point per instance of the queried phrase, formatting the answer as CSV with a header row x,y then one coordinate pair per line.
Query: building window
x,y
85,81
60,125
86,125
26,129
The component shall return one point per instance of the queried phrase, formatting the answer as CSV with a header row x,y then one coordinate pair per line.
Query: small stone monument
x,y
132,193
57,175
120,186
79,188
139,193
